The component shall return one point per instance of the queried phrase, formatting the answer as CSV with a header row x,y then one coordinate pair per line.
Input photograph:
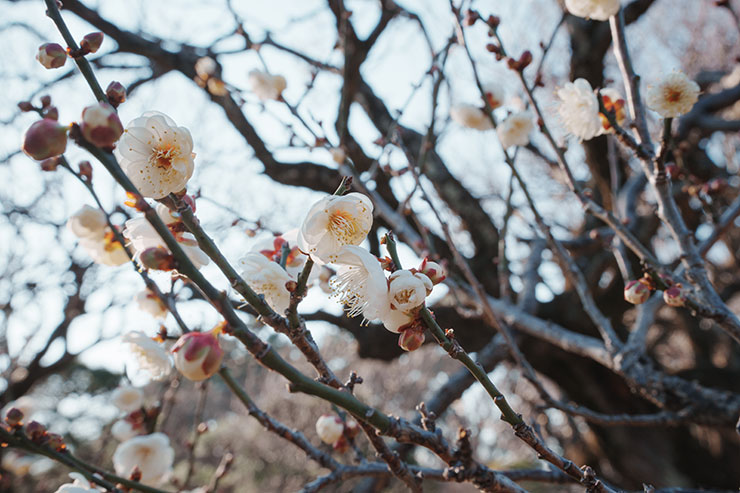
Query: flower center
x,y
110,243
404,296
162,156
672,95
342,225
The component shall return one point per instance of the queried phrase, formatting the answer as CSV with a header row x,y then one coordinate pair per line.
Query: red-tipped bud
x,y
157,258
637,292
198,355
434,271
329,428
116,93
101,125
35,431
25,106
55,441
675,295
493,21
14,417
51,55
45,139
85,169
411,338
91,42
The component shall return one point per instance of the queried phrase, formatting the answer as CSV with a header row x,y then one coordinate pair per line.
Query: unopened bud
x,y
637,291
101,125
14,417
45,100
25,106
50,164
471,16
55,441
35,431
91,42
411,338
329,428
51,55
493,21
51,113
158,258
435,272
198,355
85,170
45,139
206,67
116,93
674,295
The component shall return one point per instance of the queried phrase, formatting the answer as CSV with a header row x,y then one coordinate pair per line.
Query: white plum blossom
x,y
674,95
407,291
333,222
360,283
266,86
79,485
150,356
515,129
156,155
579,109
267,278
88,222
122,430
470,116
150,303
91,227
393,320
127,398
142,236
329,428
599,10
152,454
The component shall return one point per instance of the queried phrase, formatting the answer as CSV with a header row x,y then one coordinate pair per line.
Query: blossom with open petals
x,y
267,86
156,155
515,129
599,10
470,116
150,356
333,222
88,222
360,283
127,398
408,290
579,109
267,278
152,454
149,302
674,95
79,485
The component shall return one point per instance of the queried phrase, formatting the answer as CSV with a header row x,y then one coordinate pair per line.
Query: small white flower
x,y
470,116
156,154
515,129
150,303
333,222
579,109
599,10
267,278
407,291
495,94
79,485
150,356
88,222
105,250
267,86
329,428
152,454
127,398
672,96
142,236
122,430
360,283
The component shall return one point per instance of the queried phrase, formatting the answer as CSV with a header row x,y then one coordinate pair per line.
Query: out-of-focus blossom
x,y
470,116
152,454
150,356
123,430
151,303
267,86
515,129
329,428
599,10
579,109
79,484
127,398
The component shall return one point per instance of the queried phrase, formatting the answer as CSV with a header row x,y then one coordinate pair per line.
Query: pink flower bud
x,y
198,355
45,139
329,428
157,258
101,125
435,272
637,292
674,295
411,339
51,55
116,93
14,416
25,106
91,42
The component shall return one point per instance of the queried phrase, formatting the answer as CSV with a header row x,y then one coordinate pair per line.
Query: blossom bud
x,y
101,125
329,428
116,93
14,416
674,295
51,113
55,441
198,355
637,292
157,258
205,67
411,338
435,272
51,55
85,169
45,139
50,164
45,100
91,42
35,431
25,106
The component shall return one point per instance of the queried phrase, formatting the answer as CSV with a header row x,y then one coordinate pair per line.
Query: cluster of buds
x,y
519,65
207,71
34,431
638,291
332,430
198,355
